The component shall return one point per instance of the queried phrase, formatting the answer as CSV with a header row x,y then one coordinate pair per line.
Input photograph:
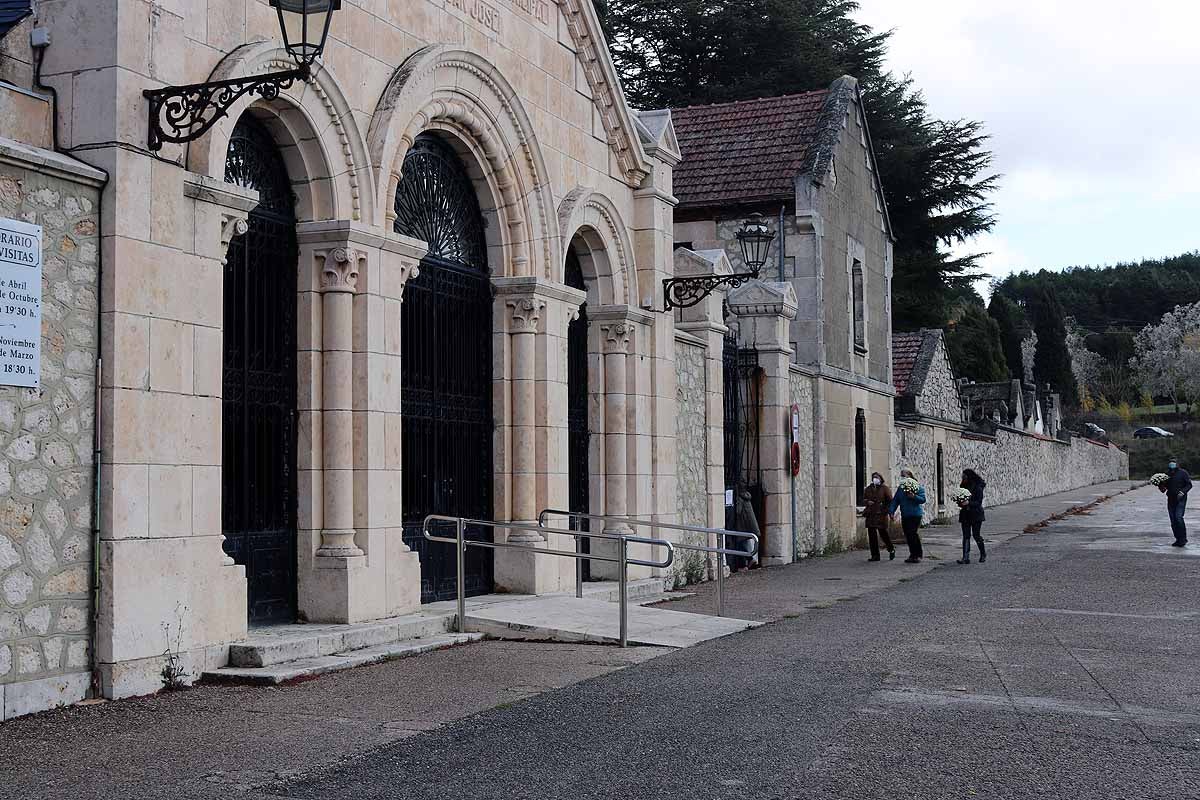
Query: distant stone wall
x,y
46,448
692,458
1017,466
802,395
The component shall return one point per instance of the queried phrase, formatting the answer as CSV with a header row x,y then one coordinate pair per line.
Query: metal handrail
x,y
722,532
622,560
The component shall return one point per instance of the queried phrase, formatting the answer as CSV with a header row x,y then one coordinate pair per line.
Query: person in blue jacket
x,y
910,516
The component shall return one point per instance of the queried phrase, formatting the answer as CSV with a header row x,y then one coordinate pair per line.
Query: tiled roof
x,y
747,151
905,347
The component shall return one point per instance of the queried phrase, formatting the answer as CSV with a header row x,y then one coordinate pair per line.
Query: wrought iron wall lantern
x,y
183,113
755,238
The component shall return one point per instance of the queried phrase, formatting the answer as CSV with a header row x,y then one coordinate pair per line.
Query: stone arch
x,y
444,88
592,222
314,127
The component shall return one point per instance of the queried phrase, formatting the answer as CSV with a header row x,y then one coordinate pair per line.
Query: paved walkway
x,y
1059,665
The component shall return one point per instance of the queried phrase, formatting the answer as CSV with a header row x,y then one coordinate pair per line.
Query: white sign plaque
x,y
20,303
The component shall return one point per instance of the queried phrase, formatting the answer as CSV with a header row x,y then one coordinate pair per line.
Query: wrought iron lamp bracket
x,y
687,292
183,113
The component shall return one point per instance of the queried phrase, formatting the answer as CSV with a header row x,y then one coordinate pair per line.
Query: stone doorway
x,y
446,341
578,429
258,513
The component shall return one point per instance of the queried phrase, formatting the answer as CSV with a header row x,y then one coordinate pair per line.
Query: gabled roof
x,y
744,152
905,348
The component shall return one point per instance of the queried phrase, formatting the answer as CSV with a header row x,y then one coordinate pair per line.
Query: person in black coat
x,y
971,516
1178,484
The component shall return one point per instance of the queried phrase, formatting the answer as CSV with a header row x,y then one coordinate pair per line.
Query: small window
x,y
860,457
860,311
941,477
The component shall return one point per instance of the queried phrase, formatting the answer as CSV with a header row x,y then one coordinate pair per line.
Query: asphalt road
x,y
1065,667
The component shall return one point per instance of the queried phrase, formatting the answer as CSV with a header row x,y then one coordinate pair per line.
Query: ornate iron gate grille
x,y
742,466
258,513
578,435
446,346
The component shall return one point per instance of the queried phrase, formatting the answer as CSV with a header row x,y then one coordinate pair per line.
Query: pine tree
x,y
975,348
1011,322
1052,362
935,174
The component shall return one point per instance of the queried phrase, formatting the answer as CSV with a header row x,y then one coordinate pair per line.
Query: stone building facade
x,y
806,163
937,436
46,432
311,383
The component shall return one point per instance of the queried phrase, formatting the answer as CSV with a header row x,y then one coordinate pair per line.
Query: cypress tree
x,y
1011,323
975,348
1052,362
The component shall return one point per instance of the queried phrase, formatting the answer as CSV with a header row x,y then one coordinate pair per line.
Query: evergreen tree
x,y
975,348
935,174
1052,362
1011,323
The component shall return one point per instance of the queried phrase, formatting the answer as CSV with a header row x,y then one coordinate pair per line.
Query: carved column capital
x,y
232,225
617,336
526,314
339,273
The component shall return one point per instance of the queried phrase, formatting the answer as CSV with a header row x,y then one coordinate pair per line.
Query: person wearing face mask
x,y
876,499
1177,485
911,510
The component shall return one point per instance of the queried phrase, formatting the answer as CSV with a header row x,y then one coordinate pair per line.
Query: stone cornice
x,y
535,287
219,193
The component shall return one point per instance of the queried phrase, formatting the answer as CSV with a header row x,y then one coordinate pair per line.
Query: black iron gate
x,y
578,434
258,514
447,365
742,467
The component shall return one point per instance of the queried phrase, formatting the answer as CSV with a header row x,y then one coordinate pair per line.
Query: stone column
x,y
525,314
765,311
339,278
617,337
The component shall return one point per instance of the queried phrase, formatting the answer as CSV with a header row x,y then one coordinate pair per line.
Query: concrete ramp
x,y
562,618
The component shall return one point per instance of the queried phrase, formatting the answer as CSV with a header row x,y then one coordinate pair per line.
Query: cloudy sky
x,y
1094,111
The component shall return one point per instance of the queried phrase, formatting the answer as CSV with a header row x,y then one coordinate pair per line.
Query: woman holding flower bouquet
x,y
909,498
969,497
875,509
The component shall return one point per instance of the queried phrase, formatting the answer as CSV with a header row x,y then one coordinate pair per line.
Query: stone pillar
x,y
524,317
616,454
765,311
339,278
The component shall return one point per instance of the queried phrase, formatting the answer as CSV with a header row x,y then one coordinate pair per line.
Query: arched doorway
x,y
258,466
446,332
578,433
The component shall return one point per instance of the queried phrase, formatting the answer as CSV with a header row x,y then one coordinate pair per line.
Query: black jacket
x,y
973,510
1178,484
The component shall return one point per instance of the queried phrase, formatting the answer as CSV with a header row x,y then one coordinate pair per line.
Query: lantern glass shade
x,y
305,26
755,237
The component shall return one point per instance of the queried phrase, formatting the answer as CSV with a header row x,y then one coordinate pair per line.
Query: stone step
x,y
640,592
280,644
303,668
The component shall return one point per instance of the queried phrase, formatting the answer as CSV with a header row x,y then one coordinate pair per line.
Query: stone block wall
x,y
46,443
805,489
1016,465
692,457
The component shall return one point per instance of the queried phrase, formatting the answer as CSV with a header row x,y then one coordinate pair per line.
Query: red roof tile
x,y
746,151
905,347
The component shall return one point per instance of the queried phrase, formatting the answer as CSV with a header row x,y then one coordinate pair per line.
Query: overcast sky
x,y
1094,111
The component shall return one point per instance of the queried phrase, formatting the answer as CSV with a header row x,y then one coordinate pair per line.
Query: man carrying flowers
x,y
1175,484
909,498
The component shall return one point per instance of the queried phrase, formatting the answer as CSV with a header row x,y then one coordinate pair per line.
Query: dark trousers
x,y
971,531
873,537
911,527
1176,510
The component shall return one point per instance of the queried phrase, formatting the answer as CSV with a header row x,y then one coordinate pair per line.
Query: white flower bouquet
x,y
1159,478
909,486
961,496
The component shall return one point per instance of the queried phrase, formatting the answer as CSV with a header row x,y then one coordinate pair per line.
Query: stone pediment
x,y
695,263
758,297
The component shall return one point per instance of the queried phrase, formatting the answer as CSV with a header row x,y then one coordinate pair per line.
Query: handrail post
x,y
623,589
579,561
461,565
721,577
